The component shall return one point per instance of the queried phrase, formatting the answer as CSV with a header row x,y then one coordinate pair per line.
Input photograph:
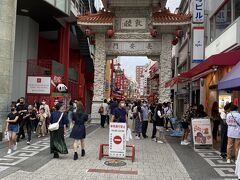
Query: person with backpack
x,y
103,110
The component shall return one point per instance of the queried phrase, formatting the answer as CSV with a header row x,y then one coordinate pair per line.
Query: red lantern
x,y
110,33
175,41
154,33
179,33
88,32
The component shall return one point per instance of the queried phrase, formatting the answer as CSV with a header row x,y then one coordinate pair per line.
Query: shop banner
x,y
117,140
202,134
198,11
38,85
198,44
223,100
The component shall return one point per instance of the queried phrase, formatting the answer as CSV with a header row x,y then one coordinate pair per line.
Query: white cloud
x,y
173,4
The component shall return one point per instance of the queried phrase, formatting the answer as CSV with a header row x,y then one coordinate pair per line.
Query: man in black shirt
x,y
29,119
22,110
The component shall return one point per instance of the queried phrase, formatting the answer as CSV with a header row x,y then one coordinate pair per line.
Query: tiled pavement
x,y
153,162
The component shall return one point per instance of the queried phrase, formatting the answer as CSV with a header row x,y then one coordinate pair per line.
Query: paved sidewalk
x,y
153,162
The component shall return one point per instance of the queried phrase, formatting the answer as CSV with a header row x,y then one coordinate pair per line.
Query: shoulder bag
x,y
55,126
235,120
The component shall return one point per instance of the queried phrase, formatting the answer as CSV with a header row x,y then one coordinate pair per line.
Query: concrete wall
x,y
26,47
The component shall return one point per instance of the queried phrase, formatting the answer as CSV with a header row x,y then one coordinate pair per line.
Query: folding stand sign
x,y
202,133
117,143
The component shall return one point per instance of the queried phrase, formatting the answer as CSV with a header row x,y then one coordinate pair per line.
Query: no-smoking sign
x,y
117,140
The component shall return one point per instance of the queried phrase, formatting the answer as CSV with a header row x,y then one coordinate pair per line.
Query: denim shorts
x,y
13,128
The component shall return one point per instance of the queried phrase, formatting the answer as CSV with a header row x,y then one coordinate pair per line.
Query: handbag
x,y
129,134
55,126
101,110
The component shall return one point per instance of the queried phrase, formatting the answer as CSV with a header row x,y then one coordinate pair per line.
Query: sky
x,y
129,63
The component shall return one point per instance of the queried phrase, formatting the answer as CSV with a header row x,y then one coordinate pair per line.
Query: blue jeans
x,y
138,127
13,128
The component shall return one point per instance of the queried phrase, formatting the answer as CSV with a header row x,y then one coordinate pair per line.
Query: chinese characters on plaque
x,y
134,46
133,23
198,11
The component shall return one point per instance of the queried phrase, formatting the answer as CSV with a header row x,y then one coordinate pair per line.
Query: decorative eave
x,y
101,18
167,18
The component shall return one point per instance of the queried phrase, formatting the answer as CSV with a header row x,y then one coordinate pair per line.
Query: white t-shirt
x,y
105,109
233,122
168,112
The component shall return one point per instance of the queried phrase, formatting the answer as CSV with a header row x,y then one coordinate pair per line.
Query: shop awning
x,y
222,59
232,80
174,80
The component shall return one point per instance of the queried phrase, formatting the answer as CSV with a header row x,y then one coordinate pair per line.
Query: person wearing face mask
x,y
22,110
29,118
120,114
47,111
145,111
12,129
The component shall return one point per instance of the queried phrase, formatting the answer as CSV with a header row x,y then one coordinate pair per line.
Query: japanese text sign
x,y
198,11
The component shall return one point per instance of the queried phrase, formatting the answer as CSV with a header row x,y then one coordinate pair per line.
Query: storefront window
x,y
223,19
212,29
237,9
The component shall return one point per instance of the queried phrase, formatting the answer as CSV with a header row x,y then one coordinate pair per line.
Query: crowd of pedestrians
x,y
36,118
27,119
138,114
228,122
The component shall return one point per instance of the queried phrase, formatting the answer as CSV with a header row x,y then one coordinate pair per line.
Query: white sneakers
x,y
28,143
160,142
9,151
15,147
184,143
228,161
154,139
137,138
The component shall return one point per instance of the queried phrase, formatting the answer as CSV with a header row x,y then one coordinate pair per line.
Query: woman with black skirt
x,y
79,131
57,141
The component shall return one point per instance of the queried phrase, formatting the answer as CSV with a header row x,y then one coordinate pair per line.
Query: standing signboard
x,y
117,140
198,44
202,133
198,11
38,85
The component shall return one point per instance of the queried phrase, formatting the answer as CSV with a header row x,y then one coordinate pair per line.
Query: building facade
x,y
40,40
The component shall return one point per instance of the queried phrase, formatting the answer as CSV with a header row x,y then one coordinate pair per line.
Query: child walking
x,y
42,116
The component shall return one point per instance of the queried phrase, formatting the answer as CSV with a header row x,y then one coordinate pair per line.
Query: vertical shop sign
x,y
198,44
198,11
